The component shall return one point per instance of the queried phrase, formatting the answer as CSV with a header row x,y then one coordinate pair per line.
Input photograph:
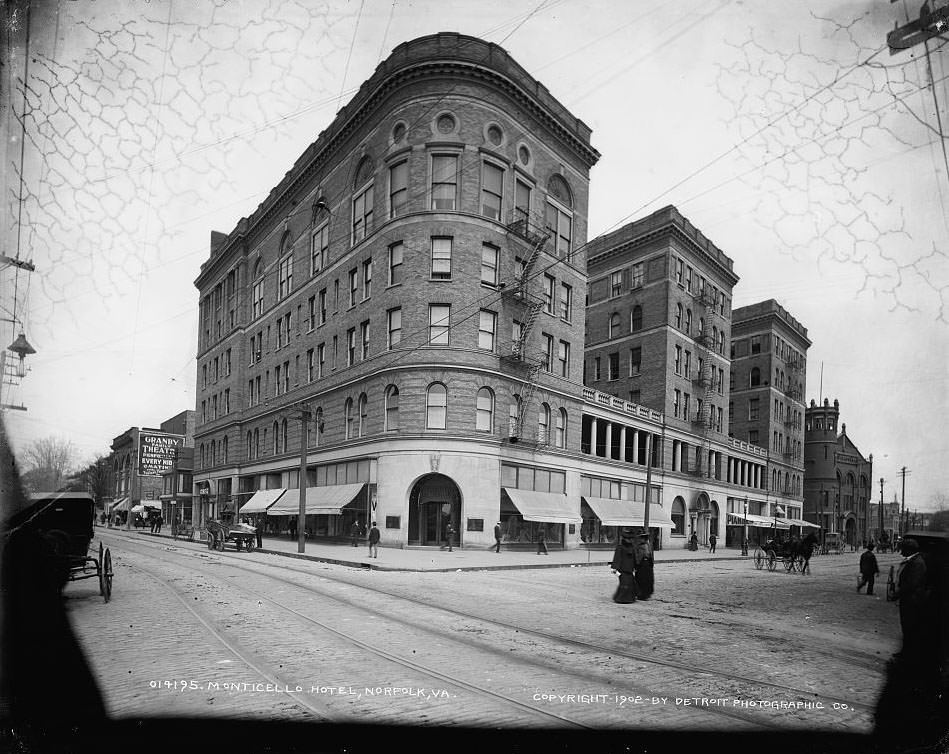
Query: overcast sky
x,y
787,134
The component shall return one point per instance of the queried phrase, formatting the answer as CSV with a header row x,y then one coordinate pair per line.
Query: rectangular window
x,y
286,377
675,403
309,365
353,285
335,351
395,263
257,295
564,358
320,359
444,178
550,284
362,214
721,382
688,279
566,302
280,333
285,278
679,268
441,258
616,284
489,264
276,384
597,369
636,280
311,308
486,330
439,318
614,366
753,409
323,306
364,337
634,396
393,522
350,346
635,361
492,179
753,436
227,362
398,188
685,405
688,364
756,344
559,222
366,279
335,295
677,364
319,246
394,327
522,202
548,352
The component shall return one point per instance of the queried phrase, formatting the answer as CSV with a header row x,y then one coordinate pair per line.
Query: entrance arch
x,y
850,529
434,501
699,514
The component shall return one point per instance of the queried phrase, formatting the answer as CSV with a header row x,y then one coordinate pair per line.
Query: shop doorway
x,y
434,501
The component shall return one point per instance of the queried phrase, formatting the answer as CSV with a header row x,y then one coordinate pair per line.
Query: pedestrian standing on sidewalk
x,y
645,578
624,563
259,532
354,534
449,534
542,540
158,522
694,542
868,569
374,541
712,539
497,537
913,595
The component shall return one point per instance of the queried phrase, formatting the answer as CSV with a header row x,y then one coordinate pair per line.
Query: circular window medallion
x,y
524,155
398,133
495,135
445,123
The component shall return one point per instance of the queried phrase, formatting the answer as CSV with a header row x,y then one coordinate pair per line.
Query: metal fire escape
x,y
528,235
704,419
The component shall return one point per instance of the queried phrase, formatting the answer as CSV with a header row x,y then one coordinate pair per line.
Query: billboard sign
x,y
156,453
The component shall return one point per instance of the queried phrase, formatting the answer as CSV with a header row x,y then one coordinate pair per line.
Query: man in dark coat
x,y
354,534
542,540
497,537
449,534
913,596
694,542
868,569
259,532
712,539
374,537
624,563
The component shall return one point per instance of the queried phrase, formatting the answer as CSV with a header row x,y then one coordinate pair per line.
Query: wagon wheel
x,y
800,562
772,560
250,544
788,562
107,575
759,558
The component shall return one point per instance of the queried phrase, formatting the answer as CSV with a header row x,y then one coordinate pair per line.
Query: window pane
x,y
441,257
439,317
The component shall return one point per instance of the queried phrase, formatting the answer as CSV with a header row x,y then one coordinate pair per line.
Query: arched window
x,y
560,439
257,289
318,426
392,408
283,436
721,342
636,319
678,516
436,406
688,321
348,418
256,443
363,414
285,268
558,217
614,325
248,452
224,450
276,438
678,316
774,480
543,424
362,200
484,410
755,377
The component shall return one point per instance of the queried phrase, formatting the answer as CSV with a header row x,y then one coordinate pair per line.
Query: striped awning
x,y
544,507
120,505
627,513
262,500
798,522
320,501
760,522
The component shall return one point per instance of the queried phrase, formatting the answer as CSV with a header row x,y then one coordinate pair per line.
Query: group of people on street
x,y
156,523
633,561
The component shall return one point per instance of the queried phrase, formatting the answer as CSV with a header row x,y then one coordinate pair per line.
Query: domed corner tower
x,y
821,424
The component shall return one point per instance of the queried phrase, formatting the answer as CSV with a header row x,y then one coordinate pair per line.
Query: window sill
x,y
439,280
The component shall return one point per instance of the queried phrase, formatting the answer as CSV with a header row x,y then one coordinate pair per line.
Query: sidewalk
x,y
460,559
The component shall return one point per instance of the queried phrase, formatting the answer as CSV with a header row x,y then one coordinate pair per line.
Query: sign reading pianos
x,y
156,453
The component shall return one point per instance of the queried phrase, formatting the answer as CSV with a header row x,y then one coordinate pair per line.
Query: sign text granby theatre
x,y
156,453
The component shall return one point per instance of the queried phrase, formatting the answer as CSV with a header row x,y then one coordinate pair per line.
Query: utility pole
x,y
301,513
903,473
880,535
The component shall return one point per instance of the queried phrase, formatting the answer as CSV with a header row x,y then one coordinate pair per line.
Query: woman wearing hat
x,y
624,563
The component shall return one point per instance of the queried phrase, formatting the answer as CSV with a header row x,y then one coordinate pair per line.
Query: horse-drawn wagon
x,y
794,554
218,532
65,520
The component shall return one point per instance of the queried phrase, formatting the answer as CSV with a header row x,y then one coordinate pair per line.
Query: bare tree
x,y
46,463
95,478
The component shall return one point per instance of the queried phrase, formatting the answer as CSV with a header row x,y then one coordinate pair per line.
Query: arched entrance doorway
x,y
851,531
434,501
699,514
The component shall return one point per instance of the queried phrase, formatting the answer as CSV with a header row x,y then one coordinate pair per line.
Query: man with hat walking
x,y
497,537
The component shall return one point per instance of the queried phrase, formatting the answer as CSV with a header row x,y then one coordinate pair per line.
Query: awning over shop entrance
x,y
761,522
543,507
320,501
262,500
798,522
120,505
628,513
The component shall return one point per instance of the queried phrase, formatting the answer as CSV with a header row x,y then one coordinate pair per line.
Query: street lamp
x,y
744,539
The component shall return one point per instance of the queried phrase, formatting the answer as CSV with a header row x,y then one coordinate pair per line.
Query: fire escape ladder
x,y
705,347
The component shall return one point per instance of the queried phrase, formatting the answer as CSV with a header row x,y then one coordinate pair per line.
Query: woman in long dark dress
x,y
624,562
645,580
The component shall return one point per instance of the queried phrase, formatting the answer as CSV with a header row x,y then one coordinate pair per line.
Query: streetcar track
x,y
650,660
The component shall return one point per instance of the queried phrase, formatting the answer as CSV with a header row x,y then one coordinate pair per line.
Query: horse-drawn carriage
x,y
65,521
794,554
219,532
